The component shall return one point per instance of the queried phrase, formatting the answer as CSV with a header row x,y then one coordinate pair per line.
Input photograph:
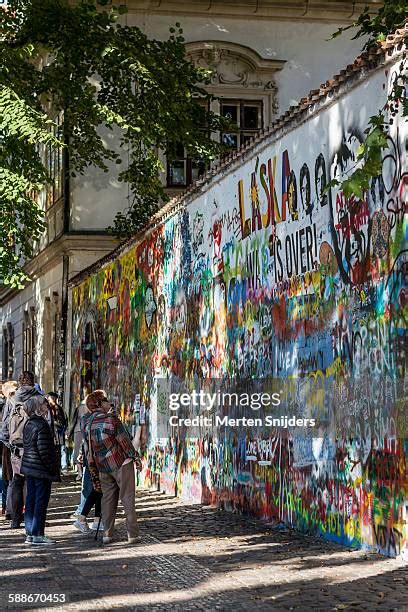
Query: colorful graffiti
x,y
268,274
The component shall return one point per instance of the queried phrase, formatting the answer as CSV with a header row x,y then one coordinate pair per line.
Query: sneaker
x,y
82,524
134,540
107,539
16,525
42,541
29,540
94,525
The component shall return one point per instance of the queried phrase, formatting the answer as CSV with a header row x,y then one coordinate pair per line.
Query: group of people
x,y
33,440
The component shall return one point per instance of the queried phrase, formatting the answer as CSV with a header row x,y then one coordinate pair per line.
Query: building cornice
x,y
332,11
68,244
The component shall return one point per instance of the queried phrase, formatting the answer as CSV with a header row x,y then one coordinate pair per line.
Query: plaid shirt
x,y
111,443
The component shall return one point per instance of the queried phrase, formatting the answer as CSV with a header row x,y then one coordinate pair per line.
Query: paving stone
x,y
193,558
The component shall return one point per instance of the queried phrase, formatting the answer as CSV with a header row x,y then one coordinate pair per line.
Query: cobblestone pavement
x,y
193,558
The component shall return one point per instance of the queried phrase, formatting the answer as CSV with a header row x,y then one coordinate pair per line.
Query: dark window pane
x,y
180,150
203,117
251,117
178,173
245,138
231,140
230,112
197,169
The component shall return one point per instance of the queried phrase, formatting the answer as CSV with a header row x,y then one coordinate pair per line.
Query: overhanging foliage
x,y
80,60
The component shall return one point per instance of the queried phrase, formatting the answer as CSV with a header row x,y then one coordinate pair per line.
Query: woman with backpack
x,y
8,389
40,467
18,417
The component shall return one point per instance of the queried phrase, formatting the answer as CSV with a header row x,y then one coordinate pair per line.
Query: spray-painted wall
x,y
265,274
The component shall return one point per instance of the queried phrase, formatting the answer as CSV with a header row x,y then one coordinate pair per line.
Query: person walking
x,y
86,485
8,388
109,450
59,422
3,485
40,467
74,434
18,418
74,438
92,498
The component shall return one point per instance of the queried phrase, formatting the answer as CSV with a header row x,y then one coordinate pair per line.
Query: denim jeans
x,y
38,496
94,498
66,457
17,499
4,484
4,494
87,487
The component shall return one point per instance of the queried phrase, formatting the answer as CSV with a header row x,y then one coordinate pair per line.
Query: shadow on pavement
x,y
195,557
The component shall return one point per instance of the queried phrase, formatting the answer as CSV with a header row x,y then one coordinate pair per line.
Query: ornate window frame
x,y
238,72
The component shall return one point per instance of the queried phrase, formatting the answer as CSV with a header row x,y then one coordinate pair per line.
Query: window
x,y
247,115
54,165
8,352
29,340
50,197
184,170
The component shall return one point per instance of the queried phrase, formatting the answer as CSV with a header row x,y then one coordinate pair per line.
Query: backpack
x,y
18,419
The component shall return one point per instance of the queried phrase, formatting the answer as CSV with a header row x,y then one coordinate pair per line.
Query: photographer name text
x,y
226,421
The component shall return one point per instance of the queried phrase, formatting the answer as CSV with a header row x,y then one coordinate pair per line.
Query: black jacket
x,y
39,457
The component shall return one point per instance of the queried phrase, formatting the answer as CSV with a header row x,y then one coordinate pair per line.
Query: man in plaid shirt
x,y
109,449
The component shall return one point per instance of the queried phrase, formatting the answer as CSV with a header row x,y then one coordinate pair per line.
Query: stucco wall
x,y
310,60
264,275
48,286
33,296
310,57
96,196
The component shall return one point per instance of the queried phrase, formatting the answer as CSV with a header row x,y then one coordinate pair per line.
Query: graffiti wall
x,y
266,273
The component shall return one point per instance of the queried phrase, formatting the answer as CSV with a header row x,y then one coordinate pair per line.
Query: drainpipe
x,y
63,378
66,185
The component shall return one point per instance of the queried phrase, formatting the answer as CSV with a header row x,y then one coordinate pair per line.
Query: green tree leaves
x,y
79,60
23,130
390,16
